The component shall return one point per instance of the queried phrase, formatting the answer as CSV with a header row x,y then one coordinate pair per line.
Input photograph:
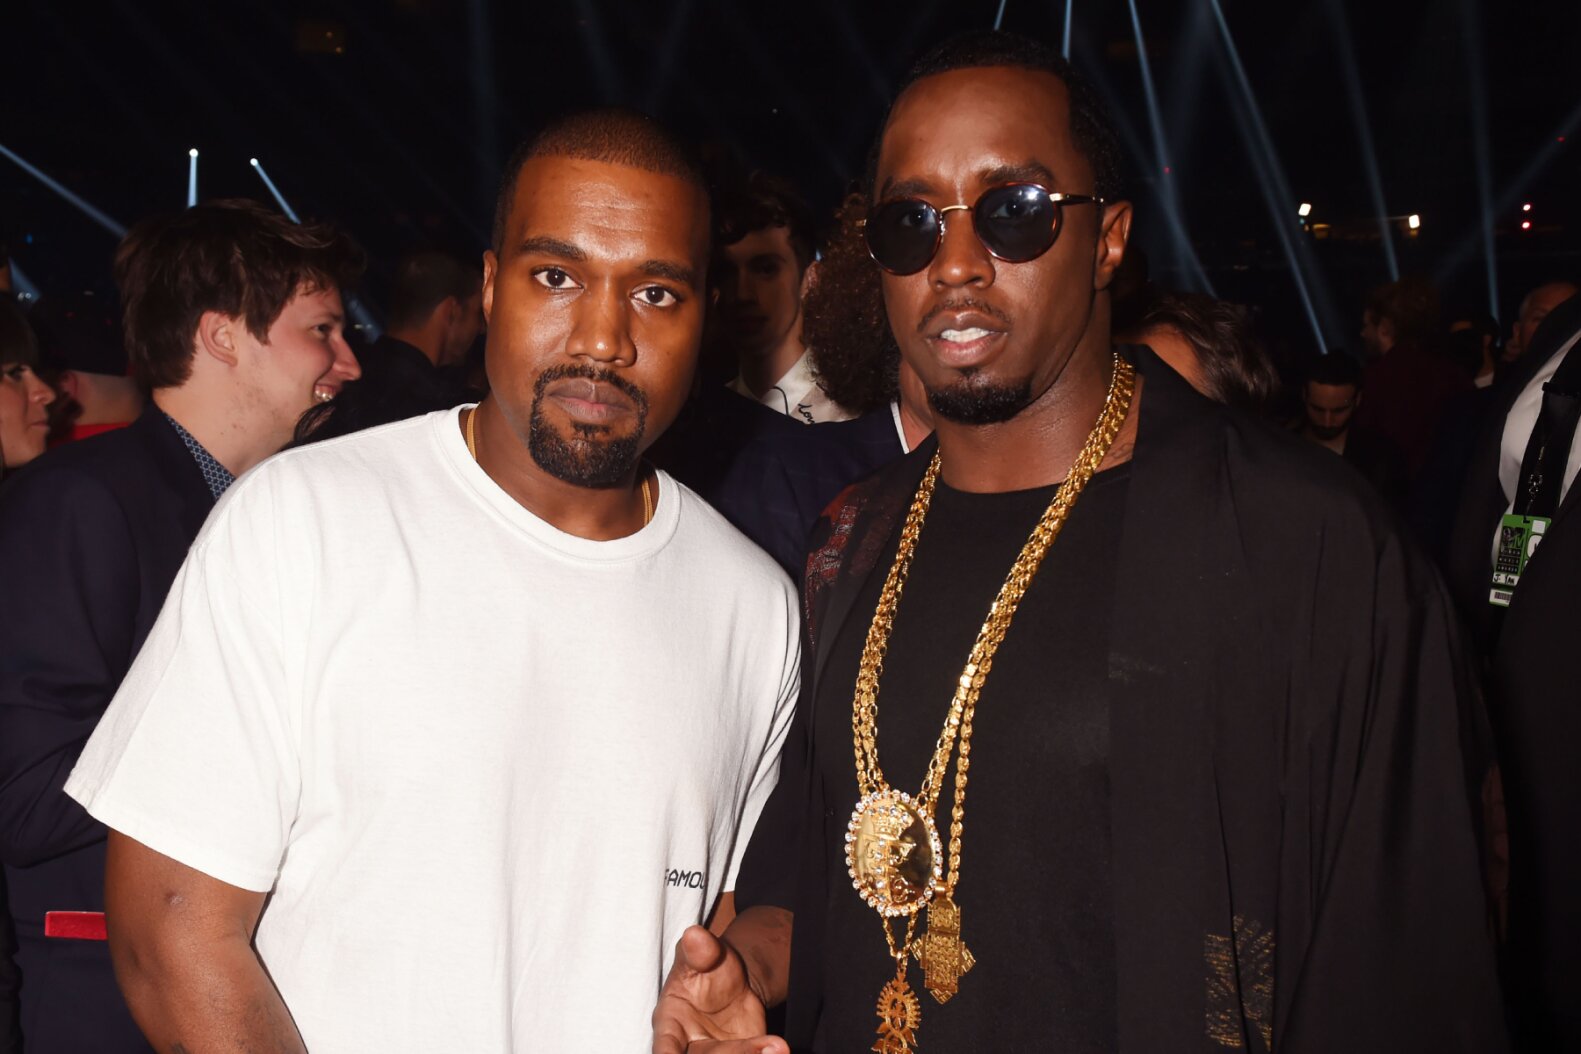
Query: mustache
x,y
963,304
585,371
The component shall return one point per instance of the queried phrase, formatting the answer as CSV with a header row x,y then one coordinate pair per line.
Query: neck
x,y
106,400
1337,444
422,338
761,372
223,428
1038,446
599,514
916,422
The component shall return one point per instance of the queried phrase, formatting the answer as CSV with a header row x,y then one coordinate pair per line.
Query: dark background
x,y
394,116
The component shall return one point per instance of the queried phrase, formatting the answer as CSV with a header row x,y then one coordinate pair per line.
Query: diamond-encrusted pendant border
x,y
877,892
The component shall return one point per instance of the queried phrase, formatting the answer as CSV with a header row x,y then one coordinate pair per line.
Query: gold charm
x,y
892,853
898,1016
943,956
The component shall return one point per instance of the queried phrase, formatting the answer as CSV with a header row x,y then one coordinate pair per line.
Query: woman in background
x,y
24,398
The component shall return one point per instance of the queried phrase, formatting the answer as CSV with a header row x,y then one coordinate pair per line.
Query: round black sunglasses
x,y
1016,222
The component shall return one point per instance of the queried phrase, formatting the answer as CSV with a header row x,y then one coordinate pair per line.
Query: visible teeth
x,y
964,336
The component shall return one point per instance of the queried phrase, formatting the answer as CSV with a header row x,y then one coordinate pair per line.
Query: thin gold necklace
x,y
472,449
892,844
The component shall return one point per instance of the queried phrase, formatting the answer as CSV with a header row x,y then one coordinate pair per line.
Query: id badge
x,y
1518,539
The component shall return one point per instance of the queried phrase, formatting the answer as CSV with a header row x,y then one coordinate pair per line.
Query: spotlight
x,y
193,152
1526,207
1526,225
253,161
1305,210
1414,221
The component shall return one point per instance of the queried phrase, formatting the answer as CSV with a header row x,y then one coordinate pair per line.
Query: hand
x,y
707,1005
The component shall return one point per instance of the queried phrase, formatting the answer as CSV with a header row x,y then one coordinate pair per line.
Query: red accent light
x,y
1526,225
1166,170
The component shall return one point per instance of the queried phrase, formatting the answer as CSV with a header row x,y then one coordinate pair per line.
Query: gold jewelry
x,y
647,502
892,844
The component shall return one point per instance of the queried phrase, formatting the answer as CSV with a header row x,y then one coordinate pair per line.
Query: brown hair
x,y
1411,304
1235,368
235,257
844,323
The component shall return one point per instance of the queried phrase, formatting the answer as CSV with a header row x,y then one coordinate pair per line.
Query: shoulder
x,y
731,554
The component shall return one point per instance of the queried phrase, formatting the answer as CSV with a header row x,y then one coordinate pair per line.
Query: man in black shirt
x,y
1203,780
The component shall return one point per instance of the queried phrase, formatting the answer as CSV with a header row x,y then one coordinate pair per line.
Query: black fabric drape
x,y
1296,746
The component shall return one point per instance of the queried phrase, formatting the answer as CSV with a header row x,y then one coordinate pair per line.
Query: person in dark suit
x,y
1524,472
233,321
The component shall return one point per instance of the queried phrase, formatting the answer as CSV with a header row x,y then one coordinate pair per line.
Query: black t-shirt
x,y
1034,890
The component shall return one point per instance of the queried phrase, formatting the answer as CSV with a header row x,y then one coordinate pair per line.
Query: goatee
x,y
589,456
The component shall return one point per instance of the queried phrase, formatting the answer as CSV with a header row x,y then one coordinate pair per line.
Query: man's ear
x,y
217,337
1386,331
491,265
66,382
1112,237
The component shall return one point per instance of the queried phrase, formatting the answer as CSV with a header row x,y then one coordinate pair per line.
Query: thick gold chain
x,y
963,705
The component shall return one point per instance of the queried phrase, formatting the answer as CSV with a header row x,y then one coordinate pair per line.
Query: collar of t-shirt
x,y
215,475
1520,422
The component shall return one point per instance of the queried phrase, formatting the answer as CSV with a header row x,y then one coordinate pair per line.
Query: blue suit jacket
x,y
94,533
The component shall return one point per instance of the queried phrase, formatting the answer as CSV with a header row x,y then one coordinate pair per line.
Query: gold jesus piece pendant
x,y
943,956
892,853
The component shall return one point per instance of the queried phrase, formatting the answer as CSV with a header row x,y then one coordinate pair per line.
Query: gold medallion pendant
x,y
892,846
892,852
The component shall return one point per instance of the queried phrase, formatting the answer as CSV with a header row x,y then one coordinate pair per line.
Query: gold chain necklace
x,y
892,847
472,448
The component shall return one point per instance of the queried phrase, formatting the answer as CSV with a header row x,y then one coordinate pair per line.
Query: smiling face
x,y
988,338
304,359
595,313
24,419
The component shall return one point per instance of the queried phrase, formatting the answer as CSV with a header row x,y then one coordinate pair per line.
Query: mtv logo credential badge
x,y
1518,540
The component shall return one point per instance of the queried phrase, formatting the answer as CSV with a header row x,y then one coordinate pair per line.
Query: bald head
x,y
611,136
1536,307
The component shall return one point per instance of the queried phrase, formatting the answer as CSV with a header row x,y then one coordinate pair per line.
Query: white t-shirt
x,y
489,771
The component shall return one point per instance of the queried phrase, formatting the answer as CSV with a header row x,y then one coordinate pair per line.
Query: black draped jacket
x,y
1297,749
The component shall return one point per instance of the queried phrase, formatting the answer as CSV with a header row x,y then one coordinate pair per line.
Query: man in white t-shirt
x,y
450,728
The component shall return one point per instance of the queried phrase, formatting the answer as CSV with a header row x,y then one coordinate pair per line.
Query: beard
x,y
1327,432
589,456
971,401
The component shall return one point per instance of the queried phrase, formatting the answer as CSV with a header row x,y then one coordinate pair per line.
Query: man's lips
x,y
588,400
964,338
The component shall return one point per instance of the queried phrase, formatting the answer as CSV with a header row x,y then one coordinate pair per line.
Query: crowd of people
x,y
512,681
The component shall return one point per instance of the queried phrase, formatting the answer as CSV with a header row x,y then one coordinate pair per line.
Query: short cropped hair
x,y
1235,369
1091,127
760,201
614,136
235,257
425,278
1335,368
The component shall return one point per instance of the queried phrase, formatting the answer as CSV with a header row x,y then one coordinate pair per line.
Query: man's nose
x,y
602,329
345,365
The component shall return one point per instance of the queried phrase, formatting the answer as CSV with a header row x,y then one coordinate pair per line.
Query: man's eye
x,y
658,296
553,278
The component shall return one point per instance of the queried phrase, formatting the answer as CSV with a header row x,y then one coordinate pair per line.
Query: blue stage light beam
x,y
1482,148
485,110
1065,38
192,177
1344,46
96,215
1185,256
1271,178
674,43
587,21
1000,17
22,284
274,191
354,307
1557,139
